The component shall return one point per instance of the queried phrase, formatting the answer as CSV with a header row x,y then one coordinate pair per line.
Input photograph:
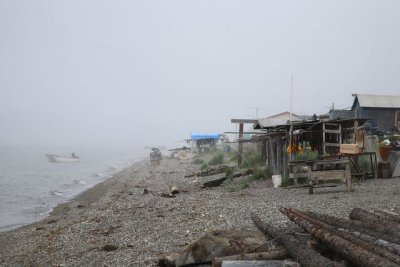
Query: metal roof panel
x,y
378,101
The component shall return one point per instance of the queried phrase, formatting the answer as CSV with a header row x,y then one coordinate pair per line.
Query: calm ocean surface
x,y
31,186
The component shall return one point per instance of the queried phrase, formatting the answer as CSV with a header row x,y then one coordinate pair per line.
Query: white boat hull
x,y
61,158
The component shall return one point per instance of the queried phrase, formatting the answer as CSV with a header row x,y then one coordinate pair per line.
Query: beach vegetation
x,y
245,184
231,189
217,159
261,173
229,171
204,166
198,161
286,181
364,165
307,155
232,156
251,160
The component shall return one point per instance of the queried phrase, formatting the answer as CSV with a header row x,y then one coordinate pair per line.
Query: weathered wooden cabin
x,y
382,110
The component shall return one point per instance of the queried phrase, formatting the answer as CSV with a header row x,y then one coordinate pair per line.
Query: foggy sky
x,y
151,72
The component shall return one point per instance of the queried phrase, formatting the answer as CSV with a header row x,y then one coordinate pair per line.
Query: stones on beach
x,y
167,195
175,190
152,226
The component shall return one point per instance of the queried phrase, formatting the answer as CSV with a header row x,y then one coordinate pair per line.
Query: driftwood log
x,y
218,182
356,254
214,183
375,230
211,171
363,241
298,250
388,215
270,255
363,215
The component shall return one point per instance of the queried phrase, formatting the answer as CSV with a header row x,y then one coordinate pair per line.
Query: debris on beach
x,y
366,239
216,245
172,192
219,181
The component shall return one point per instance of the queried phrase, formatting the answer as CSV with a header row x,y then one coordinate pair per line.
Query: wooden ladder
x,y
334,131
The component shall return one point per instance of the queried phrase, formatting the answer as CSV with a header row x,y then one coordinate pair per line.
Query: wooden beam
x,y
243,121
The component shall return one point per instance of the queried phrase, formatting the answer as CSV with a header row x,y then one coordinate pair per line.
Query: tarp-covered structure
x,y
205,136
203,142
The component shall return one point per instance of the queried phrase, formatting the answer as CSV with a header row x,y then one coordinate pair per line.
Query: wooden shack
x,y
382,110
282,143
203,142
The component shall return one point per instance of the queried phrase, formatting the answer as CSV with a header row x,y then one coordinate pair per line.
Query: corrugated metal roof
x,y
278,119
378,101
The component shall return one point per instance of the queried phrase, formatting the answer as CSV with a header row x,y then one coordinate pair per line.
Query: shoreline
x,y
115,224
31,186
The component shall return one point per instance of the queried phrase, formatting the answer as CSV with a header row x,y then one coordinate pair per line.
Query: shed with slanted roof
x,y
382,110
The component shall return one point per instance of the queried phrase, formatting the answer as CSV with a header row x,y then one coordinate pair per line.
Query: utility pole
x,y
291,97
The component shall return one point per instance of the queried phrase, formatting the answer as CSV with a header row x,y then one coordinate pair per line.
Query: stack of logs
x,y
367,239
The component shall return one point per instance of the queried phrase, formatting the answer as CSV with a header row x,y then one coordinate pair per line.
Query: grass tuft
x,y
217,159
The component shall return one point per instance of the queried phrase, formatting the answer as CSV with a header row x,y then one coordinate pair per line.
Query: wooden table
x,y
320,170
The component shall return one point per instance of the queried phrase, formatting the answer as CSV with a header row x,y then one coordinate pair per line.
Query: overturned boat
x,y
62,158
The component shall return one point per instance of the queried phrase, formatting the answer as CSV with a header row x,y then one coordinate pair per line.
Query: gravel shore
x,y
116,224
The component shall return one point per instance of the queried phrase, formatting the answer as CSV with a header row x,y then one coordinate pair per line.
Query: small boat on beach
x,y
62,158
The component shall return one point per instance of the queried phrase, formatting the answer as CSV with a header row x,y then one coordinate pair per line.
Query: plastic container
x,y
277,180
384,152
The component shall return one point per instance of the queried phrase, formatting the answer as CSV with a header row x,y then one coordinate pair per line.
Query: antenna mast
x,y
291,96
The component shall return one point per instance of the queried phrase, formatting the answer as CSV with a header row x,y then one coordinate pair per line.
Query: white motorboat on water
x,y
62,158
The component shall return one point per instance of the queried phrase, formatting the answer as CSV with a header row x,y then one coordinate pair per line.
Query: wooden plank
x,y
332,131
243,121
298,175
332,124
258,256
259,264
307,185
332,144
328,175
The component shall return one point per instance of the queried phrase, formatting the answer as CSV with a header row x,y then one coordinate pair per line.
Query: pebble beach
x,y
131,220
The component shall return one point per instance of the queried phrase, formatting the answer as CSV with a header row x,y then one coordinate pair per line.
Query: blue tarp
x,y
200,136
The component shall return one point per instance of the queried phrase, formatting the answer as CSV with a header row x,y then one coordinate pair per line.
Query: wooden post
x,y
273,156
269,154
240,149
278,156
323,139
347,174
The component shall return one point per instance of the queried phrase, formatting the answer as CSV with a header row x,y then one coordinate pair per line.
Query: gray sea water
x,y
31,186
